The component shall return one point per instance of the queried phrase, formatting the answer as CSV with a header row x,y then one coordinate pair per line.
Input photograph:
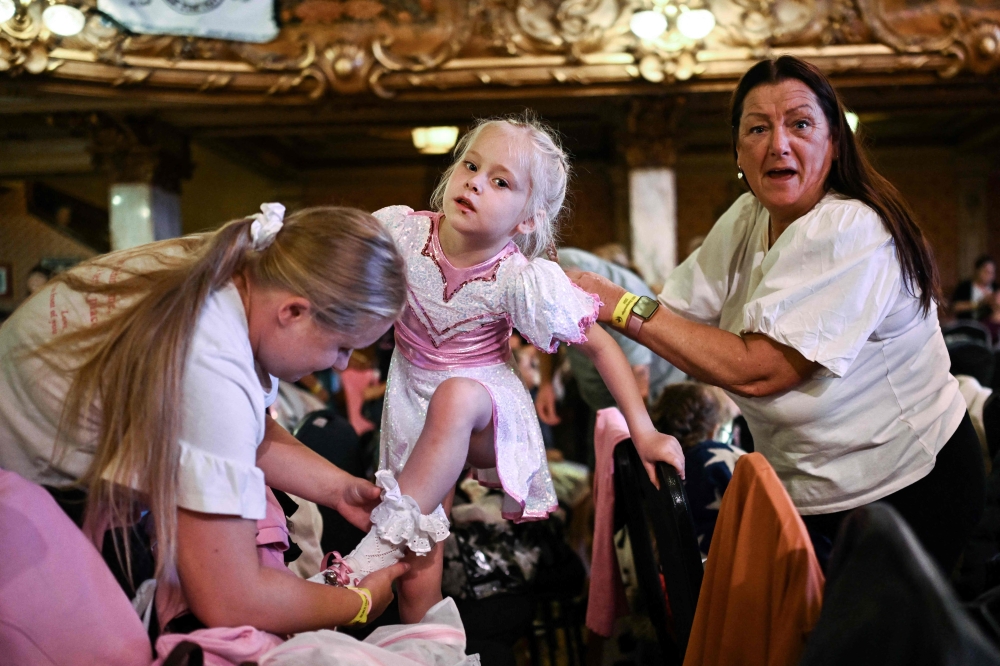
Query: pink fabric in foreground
x,y
59,602
223,646
272,536
607,600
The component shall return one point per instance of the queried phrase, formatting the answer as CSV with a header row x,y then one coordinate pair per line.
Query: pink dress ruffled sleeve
x,y
547,308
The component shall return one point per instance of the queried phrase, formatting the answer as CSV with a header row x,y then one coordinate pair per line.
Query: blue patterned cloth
x,y
708,469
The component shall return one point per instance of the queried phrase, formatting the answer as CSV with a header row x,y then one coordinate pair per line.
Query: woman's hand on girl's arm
x,y
226,586
592,283
610,361
751,364
291,466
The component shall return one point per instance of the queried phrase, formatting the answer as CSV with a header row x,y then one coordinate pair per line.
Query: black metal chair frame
x,y
557,614
641,506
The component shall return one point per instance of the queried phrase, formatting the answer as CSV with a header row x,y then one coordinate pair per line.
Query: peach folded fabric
x,y
763,587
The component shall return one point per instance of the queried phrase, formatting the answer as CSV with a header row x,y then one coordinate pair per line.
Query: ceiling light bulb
x,y
7,9
696,24
648,24
64,20
434,140
852,120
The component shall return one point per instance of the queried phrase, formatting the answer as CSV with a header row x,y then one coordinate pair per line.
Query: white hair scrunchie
x,y
266,225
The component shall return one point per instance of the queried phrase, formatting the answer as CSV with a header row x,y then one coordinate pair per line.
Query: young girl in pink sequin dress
x,y
454,399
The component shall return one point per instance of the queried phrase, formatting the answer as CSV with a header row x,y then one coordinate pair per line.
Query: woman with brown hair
x,y
145,377
813,303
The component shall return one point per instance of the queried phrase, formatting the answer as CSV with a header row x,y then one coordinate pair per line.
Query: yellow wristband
x,y
620,317
366,604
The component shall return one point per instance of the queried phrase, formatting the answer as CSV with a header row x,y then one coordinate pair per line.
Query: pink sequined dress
x,y
457,323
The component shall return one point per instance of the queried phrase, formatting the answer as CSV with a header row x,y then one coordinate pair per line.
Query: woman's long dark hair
x,y
851,172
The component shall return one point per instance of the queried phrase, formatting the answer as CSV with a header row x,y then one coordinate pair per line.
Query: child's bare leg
x,y
458,430
420,587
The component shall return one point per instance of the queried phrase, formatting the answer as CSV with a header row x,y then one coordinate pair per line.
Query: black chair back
x,y
679,558
966,330
972,358
991,424
887,603
329,434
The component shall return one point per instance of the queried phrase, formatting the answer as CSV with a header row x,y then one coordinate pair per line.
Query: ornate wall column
x,y
650,154
147,161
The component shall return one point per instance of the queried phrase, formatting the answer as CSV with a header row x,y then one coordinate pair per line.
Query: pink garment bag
x,y
606,602
59,603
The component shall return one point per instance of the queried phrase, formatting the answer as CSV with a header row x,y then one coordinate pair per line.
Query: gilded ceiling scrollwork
x,y
394,47
760,23
967,30
574,27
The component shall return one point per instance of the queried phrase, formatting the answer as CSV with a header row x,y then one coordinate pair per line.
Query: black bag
x,y
484,559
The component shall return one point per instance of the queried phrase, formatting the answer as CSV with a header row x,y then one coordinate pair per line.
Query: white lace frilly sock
x,y
397,524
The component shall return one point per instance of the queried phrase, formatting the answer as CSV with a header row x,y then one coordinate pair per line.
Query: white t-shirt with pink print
x,y
224,396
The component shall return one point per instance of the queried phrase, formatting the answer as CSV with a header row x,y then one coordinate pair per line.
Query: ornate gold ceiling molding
x,y
420,48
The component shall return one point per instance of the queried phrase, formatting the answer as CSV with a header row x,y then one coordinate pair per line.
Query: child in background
x,y
692,413
454,399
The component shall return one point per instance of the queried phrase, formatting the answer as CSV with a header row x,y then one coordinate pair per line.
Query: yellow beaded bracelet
x,y
366,604
619,319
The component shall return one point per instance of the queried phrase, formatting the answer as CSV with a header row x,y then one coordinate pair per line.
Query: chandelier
x,y
434,140
669,32
20,18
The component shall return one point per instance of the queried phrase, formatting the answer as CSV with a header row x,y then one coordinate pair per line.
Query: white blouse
x,y
224,399
873,418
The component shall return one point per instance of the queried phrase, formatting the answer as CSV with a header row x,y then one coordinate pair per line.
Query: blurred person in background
x,y
971,298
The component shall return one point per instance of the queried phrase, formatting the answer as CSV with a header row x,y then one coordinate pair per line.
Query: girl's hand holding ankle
x,y
379,583
655,447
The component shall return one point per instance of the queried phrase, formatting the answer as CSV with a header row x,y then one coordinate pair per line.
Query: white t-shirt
x,y
873,418
223,403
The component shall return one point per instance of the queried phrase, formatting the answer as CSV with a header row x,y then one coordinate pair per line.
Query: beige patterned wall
x,y
25,240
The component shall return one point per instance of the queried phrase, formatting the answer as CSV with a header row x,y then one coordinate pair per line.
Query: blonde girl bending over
x,y
144,376
453,400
